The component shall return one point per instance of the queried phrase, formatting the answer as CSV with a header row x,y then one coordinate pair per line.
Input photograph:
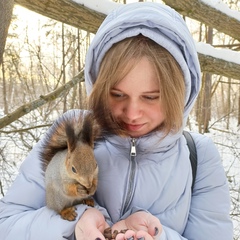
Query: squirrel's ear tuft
x,y
71,138
86,134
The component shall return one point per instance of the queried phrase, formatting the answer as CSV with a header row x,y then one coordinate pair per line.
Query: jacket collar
x,y
152,142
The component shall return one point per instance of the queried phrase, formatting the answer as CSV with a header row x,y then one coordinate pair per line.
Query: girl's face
x,y
134,101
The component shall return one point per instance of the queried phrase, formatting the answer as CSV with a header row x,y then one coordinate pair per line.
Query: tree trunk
x,y
66,11
238,107
73,67
207,102
4,91
6,7
204,104
208,88
228,108
64,68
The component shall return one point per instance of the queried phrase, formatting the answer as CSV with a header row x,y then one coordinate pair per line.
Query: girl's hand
x,y
141,225
91,225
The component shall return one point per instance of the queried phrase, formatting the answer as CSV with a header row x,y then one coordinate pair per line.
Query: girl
x,y
142,76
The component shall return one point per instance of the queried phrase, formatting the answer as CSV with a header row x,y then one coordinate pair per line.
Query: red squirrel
x,y
71,171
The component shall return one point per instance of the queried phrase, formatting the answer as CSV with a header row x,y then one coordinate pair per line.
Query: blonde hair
x,y
119,61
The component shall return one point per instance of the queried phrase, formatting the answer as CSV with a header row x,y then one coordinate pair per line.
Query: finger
x,y
120,236
154,226
83,235
155,231
129,235
96,233
143,235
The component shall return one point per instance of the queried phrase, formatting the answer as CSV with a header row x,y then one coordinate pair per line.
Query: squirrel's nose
x,y
88,184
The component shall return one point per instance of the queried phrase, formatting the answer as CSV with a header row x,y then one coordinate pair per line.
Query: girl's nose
x,y
132,110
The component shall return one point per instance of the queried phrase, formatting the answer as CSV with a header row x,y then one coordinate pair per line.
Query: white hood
x,y
157,22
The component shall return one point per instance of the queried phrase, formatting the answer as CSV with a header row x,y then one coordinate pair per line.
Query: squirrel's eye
x,y
74,169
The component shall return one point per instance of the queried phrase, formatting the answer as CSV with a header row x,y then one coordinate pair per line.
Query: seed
x,y
109,235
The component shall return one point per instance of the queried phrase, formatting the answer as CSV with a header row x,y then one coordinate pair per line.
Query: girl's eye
x,y
117,94
74,169
151,97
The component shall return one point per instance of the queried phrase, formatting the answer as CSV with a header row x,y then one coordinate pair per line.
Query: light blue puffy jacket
x,y
158,179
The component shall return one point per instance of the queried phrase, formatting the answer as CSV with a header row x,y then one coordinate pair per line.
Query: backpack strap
x,y
193,155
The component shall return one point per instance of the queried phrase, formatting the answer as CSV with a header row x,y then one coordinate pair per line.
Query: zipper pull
x,y
133,147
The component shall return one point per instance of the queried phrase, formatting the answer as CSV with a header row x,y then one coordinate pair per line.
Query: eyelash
x,y
120,95
117,95
151,98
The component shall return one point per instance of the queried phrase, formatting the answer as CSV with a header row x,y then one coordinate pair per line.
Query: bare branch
x,y
25,129
28,107
219,66
198,10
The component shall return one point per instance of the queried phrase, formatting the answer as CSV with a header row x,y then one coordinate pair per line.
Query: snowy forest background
x,y
42,55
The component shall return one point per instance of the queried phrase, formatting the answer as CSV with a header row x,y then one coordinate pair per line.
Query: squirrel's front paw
x,y
69,214
76,190
82,191
88,201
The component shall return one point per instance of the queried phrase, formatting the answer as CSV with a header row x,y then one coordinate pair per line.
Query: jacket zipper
x,y
133,154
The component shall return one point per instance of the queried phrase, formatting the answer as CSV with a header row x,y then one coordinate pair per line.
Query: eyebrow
x,y
148,92
155,91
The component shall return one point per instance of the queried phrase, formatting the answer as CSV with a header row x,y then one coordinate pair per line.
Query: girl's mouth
x,y
133,127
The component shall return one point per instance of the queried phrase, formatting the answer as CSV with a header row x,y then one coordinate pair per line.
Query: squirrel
x,y
71,171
